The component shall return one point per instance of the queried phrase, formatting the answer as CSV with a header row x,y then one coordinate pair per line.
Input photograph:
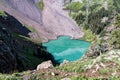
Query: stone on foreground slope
x,y
48,23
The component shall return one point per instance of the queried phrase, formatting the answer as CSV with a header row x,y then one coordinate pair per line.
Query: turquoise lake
x,y
65,48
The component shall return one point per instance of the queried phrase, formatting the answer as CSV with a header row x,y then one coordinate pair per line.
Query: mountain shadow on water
x,y
43,53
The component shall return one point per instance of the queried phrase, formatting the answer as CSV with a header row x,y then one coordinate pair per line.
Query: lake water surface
x,y
65,48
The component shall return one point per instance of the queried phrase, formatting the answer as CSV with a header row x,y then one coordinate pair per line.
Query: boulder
x,y
66,78
45,65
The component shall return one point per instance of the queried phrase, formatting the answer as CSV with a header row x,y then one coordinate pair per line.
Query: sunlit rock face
x,y
27,8
58,20
49,23
78,1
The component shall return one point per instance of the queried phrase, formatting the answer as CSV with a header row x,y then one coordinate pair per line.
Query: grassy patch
x,y
115,38
117,62
78,66
89,36
40,5
114,78
79,78
75,6
103,59
18,36
15,76
2,13
30,28
105,71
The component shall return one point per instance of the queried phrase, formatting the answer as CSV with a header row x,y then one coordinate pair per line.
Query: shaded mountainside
x,y
17,52
48,23
22,23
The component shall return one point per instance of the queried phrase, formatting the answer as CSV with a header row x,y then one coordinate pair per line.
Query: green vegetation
x,y
94,17
115,38
74,6
29,28
117,21
99,19
40,5
115,35
80,78
103,59
18,36
78,66
33,61
36,41
14,76
116,3
2,13
97,15
84,65
105,71
89,36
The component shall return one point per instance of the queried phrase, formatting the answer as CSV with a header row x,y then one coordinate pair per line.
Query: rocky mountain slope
x,y
23,19
48,23
17,51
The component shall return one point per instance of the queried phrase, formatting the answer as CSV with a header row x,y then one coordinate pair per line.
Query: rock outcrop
x,y
48,23
45,65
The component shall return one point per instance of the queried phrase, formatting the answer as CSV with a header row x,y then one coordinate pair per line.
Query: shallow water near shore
x,y
65,48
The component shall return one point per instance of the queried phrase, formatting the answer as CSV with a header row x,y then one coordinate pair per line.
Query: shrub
x,y
104,71
40,5
2,13
89,36
74,6
115,38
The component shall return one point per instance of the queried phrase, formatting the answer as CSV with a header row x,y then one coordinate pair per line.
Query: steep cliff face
x,y
57,21
48,23
18,53
9,54
27,8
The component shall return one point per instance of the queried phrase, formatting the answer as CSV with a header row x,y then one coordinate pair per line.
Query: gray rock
x,y
26,77
66,79
45,65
